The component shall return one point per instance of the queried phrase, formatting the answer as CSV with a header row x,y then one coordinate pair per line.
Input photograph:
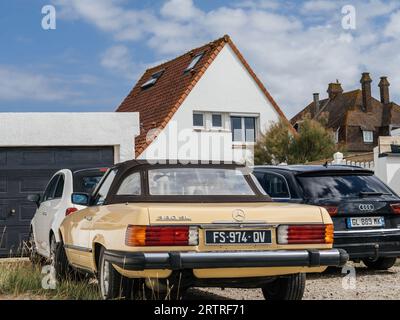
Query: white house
x,y
205,104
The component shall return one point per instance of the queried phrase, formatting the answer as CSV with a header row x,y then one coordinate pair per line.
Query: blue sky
x,y
100,47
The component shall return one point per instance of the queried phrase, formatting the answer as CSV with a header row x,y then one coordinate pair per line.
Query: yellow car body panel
x,y
106,226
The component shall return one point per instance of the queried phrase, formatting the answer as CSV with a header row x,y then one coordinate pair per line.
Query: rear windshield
x,y
86,182
199,182
343,186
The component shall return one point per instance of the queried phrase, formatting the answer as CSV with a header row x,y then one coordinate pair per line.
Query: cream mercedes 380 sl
x,y
158,229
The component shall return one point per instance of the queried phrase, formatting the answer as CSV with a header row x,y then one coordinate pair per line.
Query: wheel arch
x,y
60,236
96,254
98,243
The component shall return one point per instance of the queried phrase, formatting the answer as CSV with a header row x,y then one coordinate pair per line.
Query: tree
x,y
273,146
312,142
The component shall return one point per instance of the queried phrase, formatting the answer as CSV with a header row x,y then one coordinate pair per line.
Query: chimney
x,y
334,89
315,109
366,92
384,88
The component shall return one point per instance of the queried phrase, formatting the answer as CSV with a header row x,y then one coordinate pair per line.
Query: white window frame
x,y
256,126
368,136
204,120
222,120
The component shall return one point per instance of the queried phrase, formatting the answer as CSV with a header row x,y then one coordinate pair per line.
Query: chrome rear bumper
x,y
231,259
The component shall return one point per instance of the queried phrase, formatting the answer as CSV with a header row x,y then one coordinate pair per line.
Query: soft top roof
x,y
310,169
193,163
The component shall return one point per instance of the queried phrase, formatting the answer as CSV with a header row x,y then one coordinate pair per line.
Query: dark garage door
x,y
24,171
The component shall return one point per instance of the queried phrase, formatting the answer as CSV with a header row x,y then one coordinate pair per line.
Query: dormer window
x,y
194,61
153,79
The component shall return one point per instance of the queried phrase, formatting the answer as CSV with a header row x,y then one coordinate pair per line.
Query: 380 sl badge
x,y
173,218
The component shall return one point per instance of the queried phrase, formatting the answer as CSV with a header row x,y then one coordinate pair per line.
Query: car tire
x,y
380,264
286,288
61,264
62,268
111,283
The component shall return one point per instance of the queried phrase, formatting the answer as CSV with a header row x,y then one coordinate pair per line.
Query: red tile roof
x,y
157,104
334,109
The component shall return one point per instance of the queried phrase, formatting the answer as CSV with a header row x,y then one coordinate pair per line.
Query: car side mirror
x,y
34,198
81,199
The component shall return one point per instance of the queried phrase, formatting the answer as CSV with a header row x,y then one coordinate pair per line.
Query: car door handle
x,y
88,218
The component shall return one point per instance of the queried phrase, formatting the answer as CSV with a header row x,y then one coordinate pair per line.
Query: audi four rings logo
x,y
366,207
238,215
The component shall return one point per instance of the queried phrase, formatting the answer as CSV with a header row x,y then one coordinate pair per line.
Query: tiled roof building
x,y
357,118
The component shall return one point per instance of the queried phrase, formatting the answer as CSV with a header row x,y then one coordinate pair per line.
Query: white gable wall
x,y
225,87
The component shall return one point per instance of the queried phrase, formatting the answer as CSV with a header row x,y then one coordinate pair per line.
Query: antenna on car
x,y
326,164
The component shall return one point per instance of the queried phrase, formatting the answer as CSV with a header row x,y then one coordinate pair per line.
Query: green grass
x,y
22,279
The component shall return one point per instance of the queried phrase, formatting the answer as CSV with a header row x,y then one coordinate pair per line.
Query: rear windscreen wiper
x,y
372,194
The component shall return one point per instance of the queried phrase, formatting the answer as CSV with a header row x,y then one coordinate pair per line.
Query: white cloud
x,y
108,16
118,60
318,6
293,56
17,84
393,27
257,4
182,10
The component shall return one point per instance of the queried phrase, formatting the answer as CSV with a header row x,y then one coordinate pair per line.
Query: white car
x,y
54,205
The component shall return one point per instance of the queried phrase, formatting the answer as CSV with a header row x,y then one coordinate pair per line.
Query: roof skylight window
x,y
194,61
153,79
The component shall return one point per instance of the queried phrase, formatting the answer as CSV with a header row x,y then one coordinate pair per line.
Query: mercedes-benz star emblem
x,y
238,215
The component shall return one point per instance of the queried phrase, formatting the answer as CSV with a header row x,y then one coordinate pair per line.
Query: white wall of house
x,y
227,88
395,132
387,168
71,129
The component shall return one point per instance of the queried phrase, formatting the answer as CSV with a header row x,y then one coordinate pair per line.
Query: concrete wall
x,y
71,129
226,87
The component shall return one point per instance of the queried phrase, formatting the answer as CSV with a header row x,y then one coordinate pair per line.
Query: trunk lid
x,y
201,213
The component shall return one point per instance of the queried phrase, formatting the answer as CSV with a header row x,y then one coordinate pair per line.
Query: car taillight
x,y
332,210
141,236
305,234
70,210
395,208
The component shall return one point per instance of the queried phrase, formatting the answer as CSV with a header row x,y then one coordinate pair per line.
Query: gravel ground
x,y
368,285
330,285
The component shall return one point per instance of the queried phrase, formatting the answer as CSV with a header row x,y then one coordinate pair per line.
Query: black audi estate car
x,y
364,210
